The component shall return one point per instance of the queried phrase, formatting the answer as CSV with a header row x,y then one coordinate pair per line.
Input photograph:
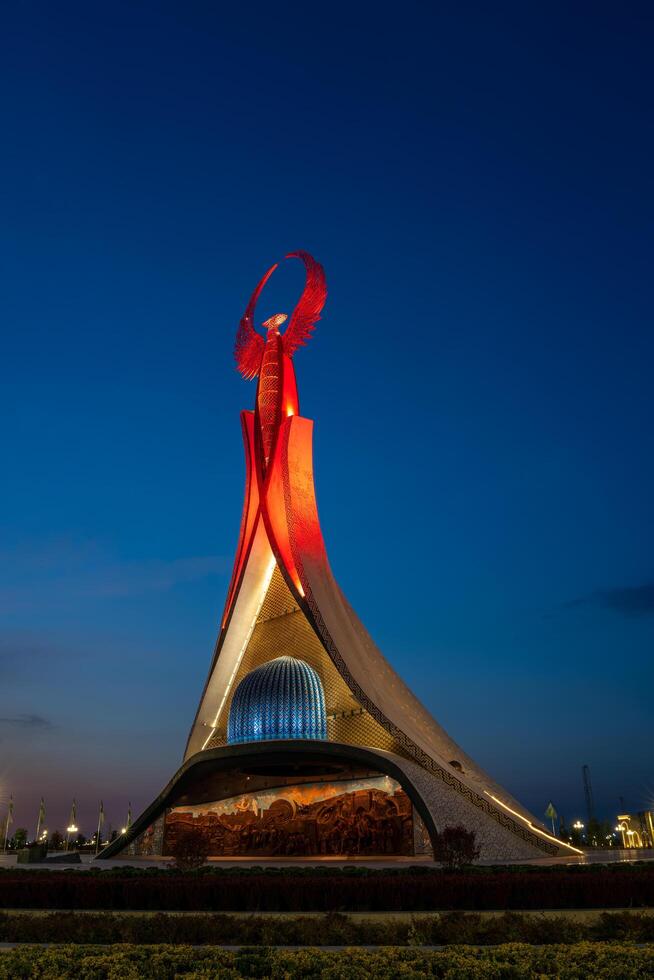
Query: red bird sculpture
x,y
270,359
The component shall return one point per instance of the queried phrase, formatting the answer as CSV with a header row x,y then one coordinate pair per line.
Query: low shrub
x,y
191,849
633,926
510,962
455,848
333,929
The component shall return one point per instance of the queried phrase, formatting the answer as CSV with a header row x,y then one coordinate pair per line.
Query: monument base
x,y
308,798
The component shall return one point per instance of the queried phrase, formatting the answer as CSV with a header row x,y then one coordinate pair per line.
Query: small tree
x,y
56,842
455,848
190,849
20,838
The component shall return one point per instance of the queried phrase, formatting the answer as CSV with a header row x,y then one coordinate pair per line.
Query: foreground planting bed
x,y
599,960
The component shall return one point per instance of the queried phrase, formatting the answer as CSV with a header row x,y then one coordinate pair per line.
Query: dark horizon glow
x,y
478,186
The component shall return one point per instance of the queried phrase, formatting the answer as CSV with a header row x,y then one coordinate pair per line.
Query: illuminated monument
x,y
306,741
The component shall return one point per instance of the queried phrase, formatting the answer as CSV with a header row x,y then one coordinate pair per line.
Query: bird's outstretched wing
x,y
249,346
307,312
248,349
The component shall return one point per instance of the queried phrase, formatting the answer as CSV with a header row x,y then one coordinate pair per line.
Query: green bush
x,y
508,962
333,929
455,848
633,926
191,849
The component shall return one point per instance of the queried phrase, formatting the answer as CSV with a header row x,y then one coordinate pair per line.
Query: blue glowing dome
x,y
283,698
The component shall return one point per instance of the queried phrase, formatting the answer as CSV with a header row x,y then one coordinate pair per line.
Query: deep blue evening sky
x,y
478,182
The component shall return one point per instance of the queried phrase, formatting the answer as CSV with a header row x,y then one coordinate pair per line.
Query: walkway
x,y
610,856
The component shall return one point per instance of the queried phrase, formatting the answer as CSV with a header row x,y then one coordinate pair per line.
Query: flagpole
x,y
72,827
41,819
100,822
10,817
553,815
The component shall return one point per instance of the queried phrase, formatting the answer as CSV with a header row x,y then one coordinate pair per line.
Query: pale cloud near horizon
x,y
21,725
62,570
26,721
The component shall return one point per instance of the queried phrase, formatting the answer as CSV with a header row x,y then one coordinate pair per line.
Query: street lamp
x,y
578,827
72,829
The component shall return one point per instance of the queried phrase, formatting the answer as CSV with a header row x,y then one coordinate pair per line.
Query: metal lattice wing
x,y
308,310
249,346
248,349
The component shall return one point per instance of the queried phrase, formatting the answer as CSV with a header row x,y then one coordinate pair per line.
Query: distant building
x,y
637,829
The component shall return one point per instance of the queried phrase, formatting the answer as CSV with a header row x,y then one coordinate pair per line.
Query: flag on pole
x,y
129,816
8,822
100,826
72,823
551,814
39,825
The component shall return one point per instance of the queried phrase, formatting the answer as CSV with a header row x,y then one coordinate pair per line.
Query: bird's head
x,y
274,322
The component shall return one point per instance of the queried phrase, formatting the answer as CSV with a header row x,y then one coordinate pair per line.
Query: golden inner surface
x,y
283,630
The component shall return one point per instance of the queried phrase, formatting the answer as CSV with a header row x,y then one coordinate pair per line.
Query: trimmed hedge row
x,y
100,869
509,962
333,929
324,892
